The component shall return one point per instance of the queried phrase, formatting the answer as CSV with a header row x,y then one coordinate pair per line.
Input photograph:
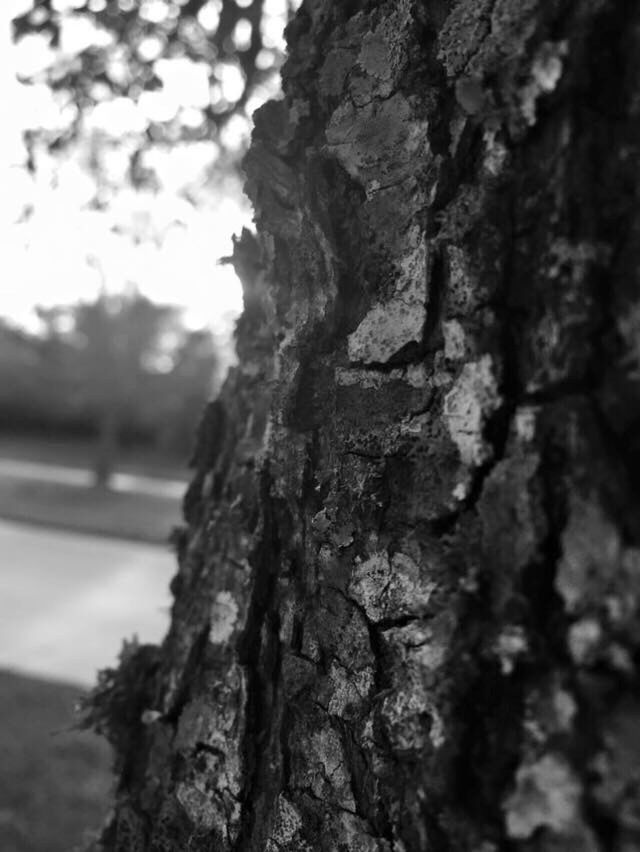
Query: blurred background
x,y
120,190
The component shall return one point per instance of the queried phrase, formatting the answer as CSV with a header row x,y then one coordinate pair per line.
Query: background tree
x,y
406,609
120,341
178,401
120,369
139,114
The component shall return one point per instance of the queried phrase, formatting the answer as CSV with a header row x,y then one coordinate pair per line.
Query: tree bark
x,y
406,610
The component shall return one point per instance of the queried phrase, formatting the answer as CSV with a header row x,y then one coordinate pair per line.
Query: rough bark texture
x,y
406,611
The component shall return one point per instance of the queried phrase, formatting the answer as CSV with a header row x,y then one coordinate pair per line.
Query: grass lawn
x,y
54,782
140,517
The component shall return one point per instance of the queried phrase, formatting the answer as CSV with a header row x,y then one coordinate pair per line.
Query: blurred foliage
x,y
134,112
122,368
189,66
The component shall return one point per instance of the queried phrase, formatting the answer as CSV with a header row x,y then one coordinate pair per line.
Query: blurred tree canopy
x,y
135,113
120,368
189,67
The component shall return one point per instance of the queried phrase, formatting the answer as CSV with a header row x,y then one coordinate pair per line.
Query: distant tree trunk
x,y
107,445
406,611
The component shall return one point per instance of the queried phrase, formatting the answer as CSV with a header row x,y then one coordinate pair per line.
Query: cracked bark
x,y
406,608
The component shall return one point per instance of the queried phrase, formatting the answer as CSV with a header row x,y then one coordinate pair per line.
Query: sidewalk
x,y
124,483
67,601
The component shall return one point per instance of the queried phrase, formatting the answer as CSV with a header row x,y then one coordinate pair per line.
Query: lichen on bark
x,y
405,611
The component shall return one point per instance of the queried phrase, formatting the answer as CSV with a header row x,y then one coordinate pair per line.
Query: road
x,y
68,600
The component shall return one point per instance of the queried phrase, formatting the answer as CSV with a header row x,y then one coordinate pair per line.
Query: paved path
x,y
68,600
83,478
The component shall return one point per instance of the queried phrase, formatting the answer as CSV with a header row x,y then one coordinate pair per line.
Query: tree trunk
x,y
406,611
107,445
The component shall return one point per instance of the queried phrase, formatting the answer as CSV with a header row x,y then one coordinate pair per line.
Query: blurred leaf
x,y
188,66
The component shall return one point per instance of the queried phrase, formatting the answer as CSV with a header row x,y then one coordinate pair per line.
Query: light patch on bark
x,y
591,548
224,616
583,639
327,748
198,806
455,347
629,328
357,838
378,137
405,711
349,688
415,375
148,717
472,399
547,795
495,155
525,422
463,288
383,54
210,791
288,822
421,646
565,709
462,32
414,424
462,489
545,76
510,644
436,733
391,325
549,711
578,256
388,588
207,807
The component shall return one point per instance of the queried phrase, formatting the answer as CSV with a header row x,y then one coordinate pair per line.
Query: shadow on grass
x,y
55,782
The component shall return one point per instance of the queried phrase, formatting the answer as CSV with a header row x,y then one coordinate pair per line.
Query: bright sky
x,y
56,248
